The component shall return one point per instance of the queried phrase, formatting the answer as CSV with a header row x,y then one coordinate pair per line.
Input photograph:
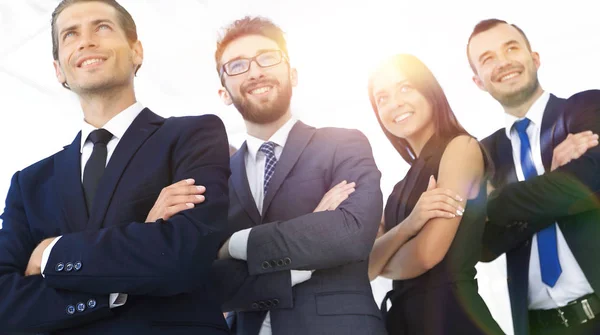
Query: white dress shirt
x,y
572,283
117,127
255,171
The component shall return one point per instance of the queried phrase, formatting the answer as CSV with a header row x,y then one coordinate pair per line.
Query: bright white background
x,y
333,44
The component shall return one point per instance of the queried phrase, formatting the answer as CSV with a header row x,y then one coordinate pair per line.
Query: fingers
x,y
336,201
172,210
335,196
446,207
444,192
573,147
183,199
432,183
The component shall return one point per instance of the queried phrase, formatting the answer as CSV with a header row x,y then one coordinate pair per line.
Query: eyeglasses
x,y
242,65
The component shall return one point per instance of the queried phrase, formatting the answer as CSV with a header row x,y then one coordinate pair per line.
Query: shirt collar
x,y
116,126
535,114
279,138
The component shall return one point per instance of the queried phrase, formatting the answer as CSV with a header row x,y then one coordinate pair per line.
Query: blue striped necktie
x,y
268,148
546,238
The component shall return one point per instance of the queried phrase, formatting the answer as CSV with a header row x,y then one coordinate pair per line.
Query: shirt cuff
x,y
117,300
46,255
238,244
300,276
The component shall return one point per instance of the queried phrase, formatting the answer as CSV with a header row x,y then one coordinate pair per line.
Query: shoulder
x,y
199,125
490,140
341,135
462,155
584,100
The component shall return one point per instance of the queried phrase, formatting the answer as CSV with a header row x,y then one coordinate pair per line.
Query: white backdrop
x,y
333,44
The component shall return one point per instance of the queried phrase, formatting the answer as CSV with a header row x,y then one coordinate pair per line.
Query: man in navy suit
x,y
297,262
544,212
82,249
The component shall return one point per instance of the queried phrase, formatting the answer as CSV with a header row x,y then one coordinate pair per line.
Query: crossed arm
x,y
179,250
422,240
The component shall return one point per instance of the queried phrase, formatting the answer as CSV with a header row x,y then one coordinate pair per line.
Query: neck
x,y
418,140
522,109
99,108
265,131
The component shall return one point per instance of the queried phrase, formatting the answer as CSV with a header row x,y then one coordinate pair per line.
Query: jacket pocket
x,y
347,303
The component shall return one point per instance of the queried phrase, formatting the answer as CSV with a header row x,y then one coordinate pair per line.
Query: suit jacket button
x,y
287,261
254,306
266,265
80,307
269,303
262,304
77,266
91,303
274,263
280,262
70,309
275,302
69,267
59,267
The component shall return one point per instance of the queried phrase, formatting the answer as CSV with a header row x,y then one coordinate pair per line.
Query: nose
x,y
87,40
398,99
255,71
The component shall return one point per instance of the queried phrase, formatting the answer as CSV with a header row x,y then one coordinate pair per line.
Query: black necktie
x,y
94,168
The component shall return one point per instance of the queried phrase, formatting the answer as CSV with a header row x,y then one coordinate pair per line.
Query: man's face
x,y
504,65
94,54
262,94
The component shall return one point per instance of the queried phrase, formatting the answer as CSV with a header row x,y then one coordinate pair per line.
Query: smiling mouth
x,y
402,117
91,62
260,90
509,76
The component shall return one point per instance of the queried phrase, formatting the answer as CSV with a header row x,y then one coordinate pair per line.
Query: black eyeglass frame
x,y
255,60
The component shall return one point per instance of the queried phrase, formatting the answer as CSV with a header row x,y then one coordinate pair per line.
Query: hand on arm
x,y
433,203
573,147
461,169
175,198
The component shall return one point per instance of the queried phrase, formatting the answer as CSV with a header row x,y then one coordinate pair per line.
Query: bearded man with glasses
x,y
305,203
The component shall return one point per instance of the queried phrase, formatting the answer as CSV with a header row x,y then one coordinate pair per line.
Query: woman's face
x,y
403,110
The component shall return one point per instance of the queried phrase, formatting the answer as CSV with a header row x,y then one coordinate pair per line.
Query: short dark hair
x,y
486,25
249,26
418,74
125,21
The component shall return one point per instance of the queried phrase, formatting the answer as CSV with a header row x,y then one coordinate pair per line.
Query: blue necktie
x,y
546,238
268,148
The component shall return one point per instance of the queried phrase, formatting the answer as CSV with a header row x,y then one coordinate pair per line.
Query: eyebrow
x,y
77,25
259,51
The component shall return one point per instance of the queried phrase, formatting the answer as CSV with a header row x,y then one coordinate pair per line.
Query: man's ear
x,y
225,96
293,77
479,82
60,76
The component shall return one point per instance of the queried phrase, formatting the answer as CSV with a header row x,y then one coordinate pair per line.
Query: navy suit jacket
x,y
163,266
288,235
568,195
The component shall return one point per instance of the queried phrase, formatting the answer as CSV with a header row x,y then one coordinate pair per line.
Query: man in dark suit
x,y
544,213
79,251
297,262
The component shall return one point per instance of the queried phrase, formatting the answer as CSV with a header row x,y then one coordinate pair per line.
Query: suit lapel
x,y
67,165
551,113
144,125
239,181
507,170
299,137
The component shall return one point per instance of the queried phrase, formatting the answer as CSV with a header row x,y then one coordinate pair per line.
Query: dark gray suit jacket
x,y
338,298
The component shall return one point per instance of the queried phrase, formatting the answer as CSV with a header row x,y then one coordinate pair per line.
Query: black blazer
x,y
162,266
287,235
568,195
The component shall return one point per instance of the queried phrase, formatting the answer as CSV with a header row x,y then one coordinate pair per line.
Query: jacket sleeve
x,y
332,238
27,303
568,190
163,258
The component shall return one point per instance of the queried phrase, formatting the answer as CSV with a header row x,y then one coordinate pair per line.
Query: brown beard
x,y
264,114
